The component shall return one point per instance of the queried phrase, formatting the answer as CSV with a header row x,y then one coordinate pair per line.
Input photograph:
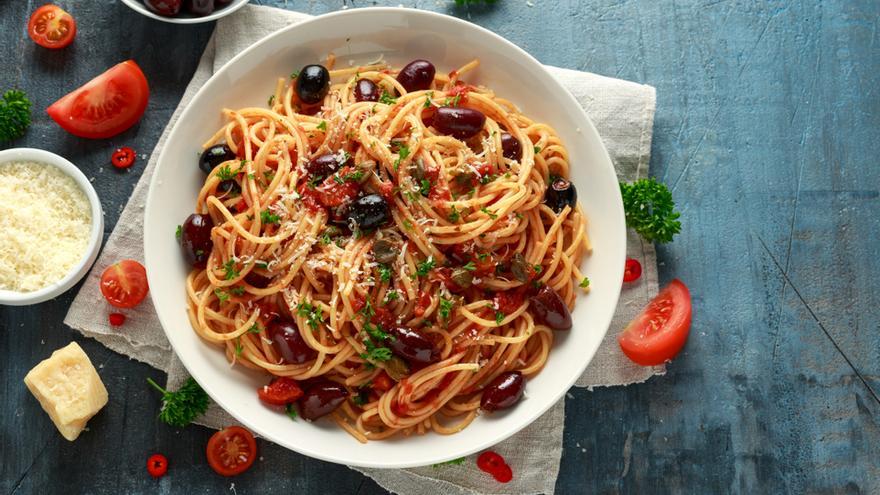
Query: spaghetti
x,y
368,241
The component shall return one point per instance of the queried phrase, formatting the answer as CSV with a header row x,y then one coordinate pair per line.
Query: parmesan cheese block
x,y
68,388
46,221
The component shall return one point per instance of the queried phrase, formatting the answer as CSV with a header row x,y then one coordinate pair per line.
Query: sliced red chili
x,y
157,465
117,319
123,157
632,271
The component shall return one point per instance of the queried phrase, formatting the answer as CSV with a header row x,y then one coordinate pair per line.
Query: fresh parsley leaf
x,y
453,462
313,314
267,217
392,295
650,210
538,268
469,266
402,153
454,215
452,101
375,332
231,271
585,282
255,328
226,173
425,187
482,256
222,295
375,353
271,100
387,99
488,178
537,149
499,317
15,115
291,412
384,273
424,267
407,225
238,347
367,311
179,233
181,407
428,99
268,175
237,290
487,212
355,176
445,308
322,126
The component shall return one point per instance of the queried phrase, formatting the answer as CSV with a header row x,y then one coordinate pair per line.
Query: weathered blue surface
x,y
768,130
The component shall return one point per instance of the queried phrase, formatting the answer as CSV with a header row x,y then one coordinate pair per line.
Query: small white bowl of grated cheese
x,y
51,224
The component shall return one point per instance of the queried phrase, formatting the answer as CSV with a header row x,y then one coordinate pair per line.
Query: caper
x,y
396,368
462,277
519,267
384,251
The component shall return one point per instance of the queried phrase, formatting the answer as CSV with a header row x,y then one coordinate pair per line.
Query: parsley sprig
x,y
313,314
15,115
650,210
180,408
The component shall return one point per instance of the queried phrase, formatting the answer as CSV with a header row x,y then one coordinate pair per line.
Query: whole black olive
x,y
459,122
369,212
321,398
366,90
413,345
195,238
199,7
417,75
214,156
549,309
511,147
324,165
229,186
287,340
559,194
312,84
504,391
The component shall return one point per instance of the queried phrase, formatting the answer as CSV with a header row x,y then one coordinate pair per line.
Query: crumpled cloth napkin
x,y
622,111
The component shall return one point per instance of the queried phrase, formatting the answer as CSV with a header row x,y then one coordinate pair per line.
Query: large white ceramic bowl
x,y
184,18
401,35
78,271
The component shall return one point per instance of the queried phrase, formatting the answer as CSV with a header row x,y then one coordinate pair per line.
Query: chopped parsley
x,y
322,126
375,353
454,215
355,176
268,217
179,233
231,272
384,273
428,99
424,267
313,314
445,307
294,75
226,173
499,317
262,264
487,212
361,398
367,311
375,332
325,238
407,225
584,283
453,101
482,256
222,296
453,462
268,175
271,100
538,268
488,178
537,149
387,99
392,295
469,266
291,412
238,347
237,290
425,187
255,328
402,153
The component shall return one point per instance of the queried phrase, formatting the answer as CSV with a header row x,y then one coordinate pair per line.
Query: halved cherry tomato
x,y
123,157
659,332
104,106
280,391
632,271
157,465
124,284
231,451
51,27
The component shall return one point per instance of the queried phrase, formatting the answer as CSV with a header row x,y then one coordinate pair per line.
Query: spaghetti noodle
x,y
348,235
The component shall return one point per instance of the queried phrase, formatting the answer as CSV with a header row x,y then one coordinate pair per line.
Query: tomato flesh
x,y
124,284
231,451
280,391
660,331
51,27
106,105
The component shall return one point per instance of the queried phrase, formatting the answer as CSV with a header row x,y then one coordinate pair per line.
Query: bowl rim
x,y
139,7
78,271
604,324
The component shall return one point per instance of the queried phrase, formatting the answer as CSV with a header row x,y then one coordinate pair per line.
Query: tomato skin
x,y
51,27
157,465
124,284
105,106
660,331
280,391
231,451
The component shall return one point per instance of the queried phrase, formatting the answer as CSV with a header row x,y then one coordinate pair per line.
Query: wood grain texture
x,y
767,129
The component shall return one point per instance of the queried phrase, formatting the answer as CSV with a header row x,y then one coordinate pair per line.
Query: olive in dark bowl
x,y
560,193
549,309
312,84
458,122
321,398
503,392
417,75
369,212
195,238
366,90
287,340
214,156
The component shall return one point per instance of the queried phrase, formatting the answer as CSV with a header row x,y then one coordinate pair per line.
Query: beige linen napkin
x,y
622,111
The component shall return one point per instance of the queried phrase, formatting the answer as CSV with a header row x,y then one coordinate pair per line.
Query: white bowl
x,y
13,298
138,5
401,35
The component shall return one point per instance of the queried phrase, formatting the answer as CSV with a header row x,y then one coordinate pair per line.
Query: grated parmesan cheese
x,y
46,221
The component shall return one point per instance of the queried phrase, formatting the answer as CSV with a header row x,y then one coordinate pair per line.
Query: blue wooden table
x,y
767,131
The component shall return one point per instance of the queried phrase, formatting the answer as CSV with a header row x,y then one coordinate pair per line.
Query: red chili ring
x,y
157,465
632,271
123,157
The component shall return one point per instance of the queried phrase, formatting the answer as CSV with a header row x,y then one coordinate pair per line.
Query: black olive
x,y
366,90
229,186
458,122
326,164
312,84
214,156
199,7
511,147
369,212
384,251
416,75
549,309
504,391
560,193
195,238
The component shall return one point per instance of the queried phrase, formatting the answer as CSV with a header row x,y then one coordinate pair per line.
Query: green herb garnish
x,y
387,99
424,267
15,115
268,217
585,282
322,126
180,408
650,210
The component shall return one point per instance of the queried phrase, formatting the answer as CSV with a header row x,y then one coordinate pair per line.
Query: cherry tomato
x,y
123,157
51,27
124,284
157,465
231,451
280,391
632,271
659,332
117,319
104,106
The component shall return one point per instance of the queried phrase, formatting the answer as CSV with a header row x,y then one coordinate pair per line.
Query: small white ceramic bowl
x,y
138,5
13,298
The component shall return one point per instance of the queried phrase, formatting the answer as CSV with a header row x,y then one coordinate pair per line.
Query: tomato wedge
x,y
124,284
106,105
280,391
231,451
51,27
659,332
